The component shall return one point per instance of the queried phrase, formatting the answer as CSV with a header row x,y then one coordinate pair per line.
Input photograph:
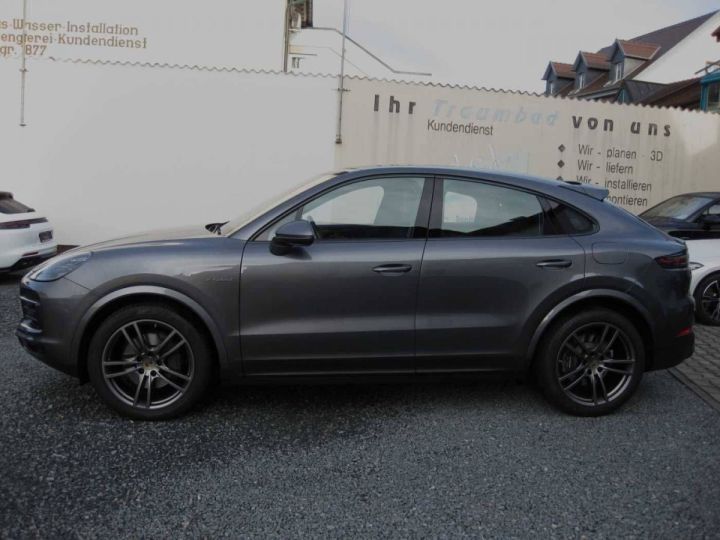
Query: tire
x,y
707,300
585,371
158,377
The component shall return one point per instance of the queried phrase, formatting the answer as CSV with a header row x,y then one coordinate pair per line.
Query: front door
x,y
492,259
346,303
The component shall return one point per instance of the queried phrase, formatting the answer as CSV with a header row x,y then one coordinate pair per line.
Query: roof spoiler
x,y
591,190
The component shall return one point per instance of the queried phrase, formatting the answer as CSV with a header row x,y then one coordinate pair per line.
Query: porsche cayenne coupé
x,y
371,273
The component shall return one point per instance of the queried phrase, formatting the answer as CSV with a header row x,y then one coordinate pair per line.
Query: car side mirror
x,y
710,220
289,235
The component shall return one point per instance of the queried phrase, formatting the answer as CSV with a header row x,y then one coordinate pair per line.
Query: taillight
x,y
676,260
22,223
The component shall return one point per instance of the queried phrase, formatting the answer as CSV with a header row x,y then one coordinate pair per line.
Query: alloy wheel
x,y
710,300
148,364
595,364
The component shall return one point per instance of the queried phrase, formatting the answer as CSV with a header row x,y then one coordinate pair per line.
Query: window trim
x,y
422,220
435,221
580,78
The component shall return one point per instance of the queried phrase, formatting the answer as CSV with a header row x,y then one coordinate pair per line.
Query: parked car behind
x,y
705,285
689,216
377,272
26,238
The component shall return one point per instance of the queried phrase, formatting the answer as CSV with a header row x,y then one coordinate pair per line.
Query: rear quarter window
x,y
561,219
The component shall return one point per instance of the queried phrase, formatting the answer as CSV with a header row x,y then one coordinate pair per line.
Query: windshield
x,y
680,207
268,204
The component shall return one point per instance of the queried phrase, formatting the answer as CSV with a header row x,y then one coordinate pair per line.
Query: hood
x,y
154,237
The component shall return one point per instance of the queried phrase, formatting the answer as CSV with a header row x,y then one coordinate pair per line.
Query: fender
x,y
155,291
578,297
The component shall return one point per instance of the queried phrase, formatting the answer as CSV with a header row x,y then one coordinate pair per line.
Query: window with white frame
x,y
618,69
580,81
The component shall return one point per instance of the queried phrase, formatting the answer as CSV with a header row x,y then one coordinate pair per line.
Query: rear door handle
x,y
392,269
554,263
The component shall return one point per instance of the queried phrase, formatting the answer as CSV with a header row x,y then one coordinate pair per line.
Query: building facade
x,y
668,67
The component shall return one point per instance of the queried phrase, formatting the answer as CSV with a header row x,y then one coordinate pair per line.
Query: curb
x,y
685,380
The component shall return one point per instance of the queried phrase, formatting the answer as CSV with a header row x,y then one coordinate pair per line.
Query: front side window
x,y
373,209
472,209
714,210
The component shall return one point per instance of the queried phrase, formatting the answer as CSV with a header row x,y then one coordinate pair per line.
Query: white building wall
x,y
112,150
687,57
247,33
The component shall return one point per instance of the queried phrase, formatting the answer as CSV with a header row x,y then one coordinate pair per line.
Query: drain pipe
x,y
341,79
23,68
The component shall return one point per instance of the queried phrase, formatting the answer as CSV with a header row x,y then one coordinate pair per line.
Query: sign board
x,y
212,33
643,155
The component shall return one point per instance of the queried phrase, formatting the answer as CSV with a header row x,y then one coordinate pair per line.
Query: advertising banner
x,y
641,154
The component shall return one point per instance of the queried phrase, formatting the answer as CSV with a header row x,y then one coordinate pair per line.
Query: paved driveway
x,y
440,460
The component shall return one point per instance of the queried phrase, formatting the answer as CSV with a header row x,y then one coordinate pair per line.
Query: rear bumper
x,y
681,349
32,260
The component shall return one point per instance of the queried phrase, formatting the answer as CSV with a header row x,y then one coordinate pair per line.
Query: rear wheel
x,y
707,300
149,362
590,363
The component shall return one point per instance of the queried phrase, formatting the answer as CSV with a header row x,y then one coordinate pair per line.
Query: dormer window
x,y
579,81
618,69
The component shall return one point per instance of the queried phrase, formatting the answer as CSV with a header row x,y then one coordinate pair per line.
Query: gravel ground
x,y
480,459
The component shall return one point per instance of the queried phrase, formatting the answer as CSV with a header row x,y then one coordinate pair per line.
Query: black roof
x,y
6,195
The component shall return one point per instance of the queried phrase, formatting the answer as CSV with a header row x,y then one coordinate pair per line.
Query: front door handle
x,y
554,263
392,269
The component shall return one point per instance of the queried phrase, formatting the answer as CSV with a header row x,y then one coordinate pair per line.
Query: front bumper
x,y
49,319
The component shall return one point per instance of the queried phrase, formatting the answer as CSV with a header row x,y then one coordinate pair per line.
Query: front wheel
x,y
590,363
149,362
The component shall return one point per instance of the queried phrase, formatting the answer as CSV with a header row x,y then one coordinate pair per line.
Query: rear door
x,y
491,261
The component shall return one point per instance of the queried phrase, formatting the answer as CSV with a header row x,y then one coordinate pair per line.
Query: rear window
x,y
11,206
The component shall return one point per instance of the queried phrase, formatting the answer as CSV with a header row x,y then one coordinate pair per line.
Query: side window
x,y
476,209
562,219
373,209
714,210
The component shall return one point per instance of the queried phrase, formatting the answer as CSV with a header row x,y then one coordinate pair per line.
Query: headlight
x,y
695,265
59,266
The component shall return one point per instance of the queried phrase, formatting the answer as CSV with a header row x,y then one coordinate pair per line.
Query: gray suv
x,y
367,274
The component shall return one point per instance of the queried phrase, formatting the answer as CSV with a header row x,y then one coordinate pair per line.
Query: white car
x,y
26,238
705,284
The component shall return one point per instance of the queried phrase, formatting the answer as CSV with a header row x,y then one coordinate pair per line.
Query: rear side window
x,y
477,209
11,206
562,219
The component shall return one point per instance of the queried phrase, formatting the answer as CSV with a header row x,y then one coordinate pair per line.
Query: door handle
x,y
554,263
392,269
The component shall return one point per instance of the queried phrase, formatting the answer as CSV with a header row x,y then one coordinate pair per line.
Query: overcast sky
x,y
498,43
